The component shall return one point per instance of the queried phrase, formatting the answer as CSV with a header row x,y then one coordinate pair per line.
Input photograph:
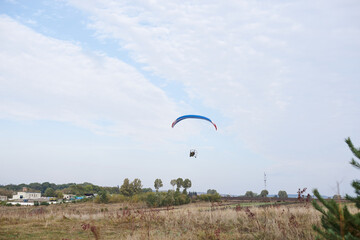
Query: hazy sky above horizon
x,y
89,89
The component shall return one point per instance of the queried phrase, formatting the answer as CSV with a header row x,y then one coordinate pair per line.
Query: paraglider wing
x,y
192,116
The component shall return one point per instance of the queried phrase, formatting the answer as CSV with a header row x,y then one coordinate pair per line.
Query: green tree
x,y
59,194
214,197
211,191
158,184
129,189
103,196
336,220
179,184
77,189
169,199
126,188
173,183
264,193
49,192
35,186
136,186
97,189
5,192
356,183
282,194
44,186
250,194
186,185
88,188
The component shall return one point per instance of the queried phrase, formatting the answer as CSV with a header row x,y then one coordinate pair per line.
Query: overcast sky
x,y
89,89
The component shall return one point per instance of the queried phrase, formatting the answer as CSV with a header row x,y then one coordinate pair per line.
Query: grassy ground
x,y
193,221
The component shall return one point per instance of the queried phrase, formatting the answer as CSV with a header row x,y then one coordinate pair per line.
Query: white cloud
x,y
205,46
277,70
247,60
47,79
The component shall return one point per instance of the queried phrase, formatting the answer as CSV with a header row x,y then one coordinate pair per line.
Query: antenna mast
x,y
265,180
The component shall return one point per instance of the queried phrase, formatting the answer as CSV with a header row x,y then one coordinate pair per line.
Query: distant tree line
x,y
129,190
133,191
52,189
265,193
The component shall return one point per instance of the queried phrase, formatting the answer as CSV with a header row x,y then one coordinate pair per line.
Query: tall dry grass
x,y
135,221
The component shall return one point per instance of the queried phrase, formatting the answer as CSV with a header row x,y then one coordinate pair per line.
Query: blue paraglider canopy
x,y
192,116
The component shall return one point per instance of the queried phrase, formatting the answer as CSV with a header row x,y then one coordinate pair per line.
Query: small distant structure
x,y
89,195
3,198
69,196
26,195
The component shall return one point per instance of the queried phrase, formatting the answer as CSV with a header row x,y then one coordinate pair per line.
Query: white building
x,y
26,195
3,198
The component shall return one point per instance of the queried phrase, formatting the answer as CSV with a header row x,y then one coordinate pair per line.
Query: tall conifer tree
x,y
337,222
355,183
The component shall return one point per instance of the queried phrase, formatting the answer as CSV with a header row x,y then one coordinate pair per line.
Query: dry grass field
x,y
193,221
